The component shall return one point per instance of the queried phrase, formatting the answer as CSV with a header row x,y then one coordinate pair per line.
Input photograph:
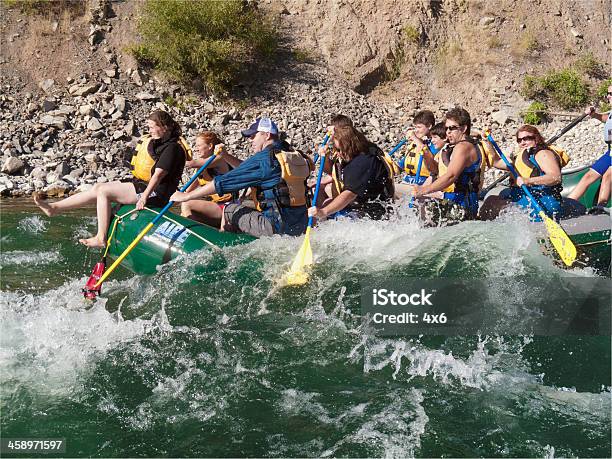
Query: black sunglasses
x,y
528,138
453,128
609,93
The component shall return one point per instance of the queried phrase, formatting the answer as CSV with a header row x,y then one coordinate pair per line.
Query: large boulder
x,y
13,166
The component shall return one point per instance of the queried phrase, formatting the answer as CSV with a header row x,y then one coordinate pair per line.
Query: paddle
x,y
158,217
558,237
418,176
397,147
554,138
325,139
297,274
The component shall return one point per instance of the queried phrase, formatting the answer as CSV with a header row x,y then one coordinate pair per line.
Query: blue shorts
x,y
344,213
549,203
412,179
602,164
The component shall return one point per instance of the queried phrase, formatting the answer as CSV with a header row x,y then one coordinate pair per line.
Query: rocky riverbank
x,y
71,134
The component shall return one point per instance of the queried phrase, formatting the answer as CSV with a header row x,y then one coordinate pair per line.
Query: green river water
x,y
209,357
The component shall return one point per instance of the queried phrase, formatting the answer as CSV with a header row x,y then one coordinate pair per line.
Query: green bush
x,y
535,113
601,93
411,34
588,65
564,87
214,40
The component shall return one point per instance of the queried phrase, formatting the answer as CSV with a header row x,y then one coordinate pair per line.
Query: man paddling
x,y
277,175
458,174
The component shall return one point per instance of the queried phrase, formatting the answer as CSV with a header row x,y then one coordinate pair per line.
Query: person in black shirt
x,y
360,175
157,168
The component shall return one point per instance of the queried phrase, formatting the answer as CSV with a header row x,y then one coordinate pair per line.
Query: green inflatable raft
x,y
175,235
172,236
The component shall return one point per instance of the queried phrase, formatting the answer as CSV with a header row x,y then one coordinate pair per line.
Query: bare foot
x,y
44,205
93,242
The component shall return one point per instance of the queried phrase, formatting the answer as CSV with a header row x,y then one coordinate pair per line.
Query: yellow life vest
x,y
292,190
142,162
526,168
488,155
469,178
411,161
205,178
394,168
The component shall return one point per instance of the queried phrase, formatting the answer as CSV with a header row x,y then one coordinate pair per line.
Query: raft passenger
x,y
157,167
275,172
209,209
539,168
601,168
458,174
361,177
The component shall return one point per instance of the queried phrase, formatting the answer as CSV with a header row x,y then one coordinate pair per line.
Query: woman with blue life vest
x,y
157,168
209,209
277,176
601,168
458,179
539,168
362,178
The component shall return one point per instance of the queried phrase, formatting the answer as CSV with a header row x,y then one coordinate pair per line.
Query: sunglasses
x,y
453,128
527,138
609,93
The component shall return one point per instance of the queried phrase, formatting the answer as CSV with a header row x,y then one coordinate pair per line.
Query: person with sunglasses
x,y
539,168
601,168
458,175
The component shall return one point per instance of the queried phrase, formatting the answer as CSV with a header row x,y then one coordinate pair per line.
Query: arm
x,y
338,203
552,172
229,158
598,116
157,177
200,192
459,161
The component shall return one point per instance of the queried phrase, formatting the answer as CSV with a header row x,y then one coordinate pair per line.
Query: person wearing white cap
x,y
277,177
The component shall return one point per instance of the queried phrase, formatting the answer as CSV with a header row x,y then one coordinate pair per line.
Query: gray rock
x,y
129,127
486,20
119,103
576,33
146,96
86,146
91,157
83,90
501,117
76,173
94,124
46,85
138,77
13,166
50,120
111,73
63,168
52,177
38,173
48,105
86,110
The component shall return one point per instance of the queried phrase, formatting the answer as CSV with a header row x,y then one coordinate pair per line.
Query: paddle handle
x,y
325,140
418,176
147,228
397,147
535,203
317,187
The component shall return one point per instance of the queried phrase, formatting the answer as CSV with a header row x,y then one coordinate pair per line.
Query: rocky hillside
x,y
74,102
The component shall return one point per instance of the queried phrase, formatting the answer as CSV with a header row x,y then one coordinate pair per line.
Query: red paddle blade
x,y
90,291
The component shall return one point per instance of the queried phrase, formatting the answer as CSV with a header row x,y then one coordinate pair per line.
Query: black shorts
x,y
154,200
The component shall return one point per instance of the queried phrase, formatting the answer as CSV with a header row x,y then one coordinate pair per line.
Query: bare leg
x,y
123,193
604,189
202,211
586,180
491,207
72,202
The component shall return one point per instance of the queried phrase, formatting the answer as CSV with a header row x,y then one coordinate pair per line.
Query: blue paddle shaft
x,y
514,173
316,193
316,156
183,188
397,147
418,176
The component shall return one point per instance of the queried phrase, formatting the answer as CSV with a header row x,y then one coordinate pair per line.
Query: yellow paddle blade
x,y
560,240
298,275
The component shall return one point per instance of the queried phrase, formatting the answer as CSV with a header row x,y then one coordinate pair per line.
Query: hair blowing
x,y
461,117
539,140
209,137
351,142
163,119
